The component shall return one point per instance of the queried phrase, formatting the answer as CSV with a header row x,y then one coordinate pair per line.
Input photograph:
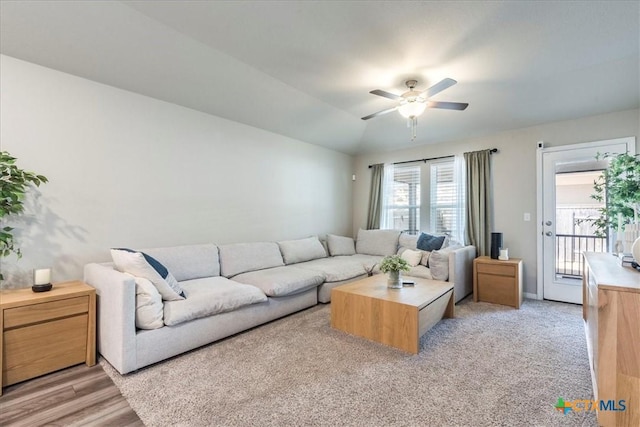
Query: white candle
x,y
42,276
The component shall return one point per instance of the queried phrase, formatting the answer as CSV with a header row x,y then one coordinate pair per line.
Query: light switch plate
x,y
527,216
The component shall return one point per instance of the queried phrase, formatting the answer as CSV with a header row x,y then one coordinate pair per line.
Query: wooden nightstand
x,y
46,331
498,282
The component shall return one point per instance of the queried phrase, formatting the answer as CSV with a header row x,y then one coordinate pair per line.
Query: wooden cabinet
x,y
611,310
498,282
46,331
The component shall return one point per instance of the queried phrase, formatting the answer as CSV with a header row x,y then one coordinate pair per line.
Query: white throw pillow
x,y
439,262
140,264
149,306
412,257
340,245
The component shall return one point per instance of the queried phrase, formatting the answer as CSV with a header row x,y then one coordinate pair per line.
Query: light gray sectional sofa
x,y
231,288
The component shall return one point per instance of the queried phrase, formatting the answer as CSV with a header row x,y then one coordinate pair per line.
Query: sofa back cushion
x,y
377,242
301,250
409,241
340,245
189,262
239,258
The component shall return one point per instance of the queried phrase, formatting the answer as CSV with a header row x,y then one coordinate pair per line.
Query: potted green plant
x,y
14,184
619,188
394,265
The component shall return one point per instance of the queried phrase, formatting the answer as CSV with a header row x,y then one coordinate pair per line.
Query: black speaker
x,y
496,244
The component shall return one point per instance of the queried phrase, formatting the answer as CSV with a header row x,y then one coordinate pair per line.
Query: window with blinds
x,y
444,199
404,203
442,209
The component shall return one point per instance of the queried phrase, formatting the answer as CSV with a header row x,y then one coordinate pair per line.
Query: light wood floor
x,y
77,396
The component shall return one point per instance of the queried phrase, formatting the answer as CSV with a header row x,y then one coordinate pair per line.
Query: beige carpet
x,y
491,365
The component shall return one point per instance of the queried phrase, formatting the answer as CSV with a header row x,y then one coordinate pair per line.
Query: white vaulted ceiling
x,y
304,69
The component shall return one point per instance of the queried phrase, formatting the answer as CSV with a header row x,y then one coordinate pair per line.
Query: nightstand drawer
x,y
497,289
46,347
497,269
19,316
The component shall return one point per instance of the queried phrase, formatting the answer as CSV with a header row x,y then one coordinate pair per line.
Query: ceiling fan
x,y
413,102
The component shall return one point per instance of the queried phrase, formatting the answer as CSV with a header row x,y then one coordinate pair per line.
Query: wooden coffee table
x,y
395,317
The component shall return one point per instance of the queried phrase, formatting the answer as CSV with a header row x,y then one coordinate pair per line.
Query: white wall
x,y
514,172
128,170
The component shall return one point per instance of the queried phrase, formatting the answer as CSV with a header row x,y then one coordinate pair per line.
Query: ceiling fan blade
x,y
379,113
386,94
447,105
439,87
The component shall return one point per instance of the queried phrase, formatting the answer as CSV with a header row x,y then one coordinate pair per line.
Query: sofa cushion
x,y
439,262
340,245
209,296
149,307
430,242
325,245
425,258
300,250
377,242
242,257
140,264
335,269
190,261
281,281
409,241
366,260
412,257
420,271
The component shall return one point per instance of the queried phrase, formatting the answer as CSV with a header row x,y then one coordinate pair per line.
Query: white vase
x,y
394,280
635,250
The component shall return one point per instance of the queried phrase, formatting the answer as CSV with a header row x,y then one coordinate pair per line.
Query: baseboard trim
x,y
530,295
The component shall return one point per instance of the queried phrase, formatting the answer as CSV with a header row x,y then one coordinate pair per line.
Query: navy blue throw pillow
x,y
427,242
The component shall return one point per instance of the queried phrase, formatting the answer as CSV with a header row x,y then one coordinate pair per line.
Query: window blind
x,y
404,203
444,199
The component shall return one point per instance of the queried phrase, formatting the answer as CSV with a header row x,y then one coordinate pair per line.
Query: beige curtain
x,y
375,197
479,209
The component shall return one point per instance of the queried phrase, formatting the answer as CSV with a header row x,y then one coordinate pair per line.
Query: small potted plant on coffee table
x,y
394,265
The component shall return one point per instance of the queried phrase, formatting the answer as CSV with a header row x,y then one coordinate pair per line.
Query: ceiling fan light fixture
x,y
412,109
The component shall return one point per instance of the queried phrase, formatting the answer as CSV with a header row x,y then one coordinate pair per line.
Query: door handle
x,y
548,233
548,223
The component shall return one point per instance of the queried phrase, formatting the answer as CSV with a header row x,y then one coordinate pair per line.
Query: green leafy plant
x,y
393,263
14,184
619,189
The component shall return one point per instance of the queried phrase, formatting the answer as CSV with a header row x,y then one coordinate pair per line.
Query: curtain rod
x,y
493,150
